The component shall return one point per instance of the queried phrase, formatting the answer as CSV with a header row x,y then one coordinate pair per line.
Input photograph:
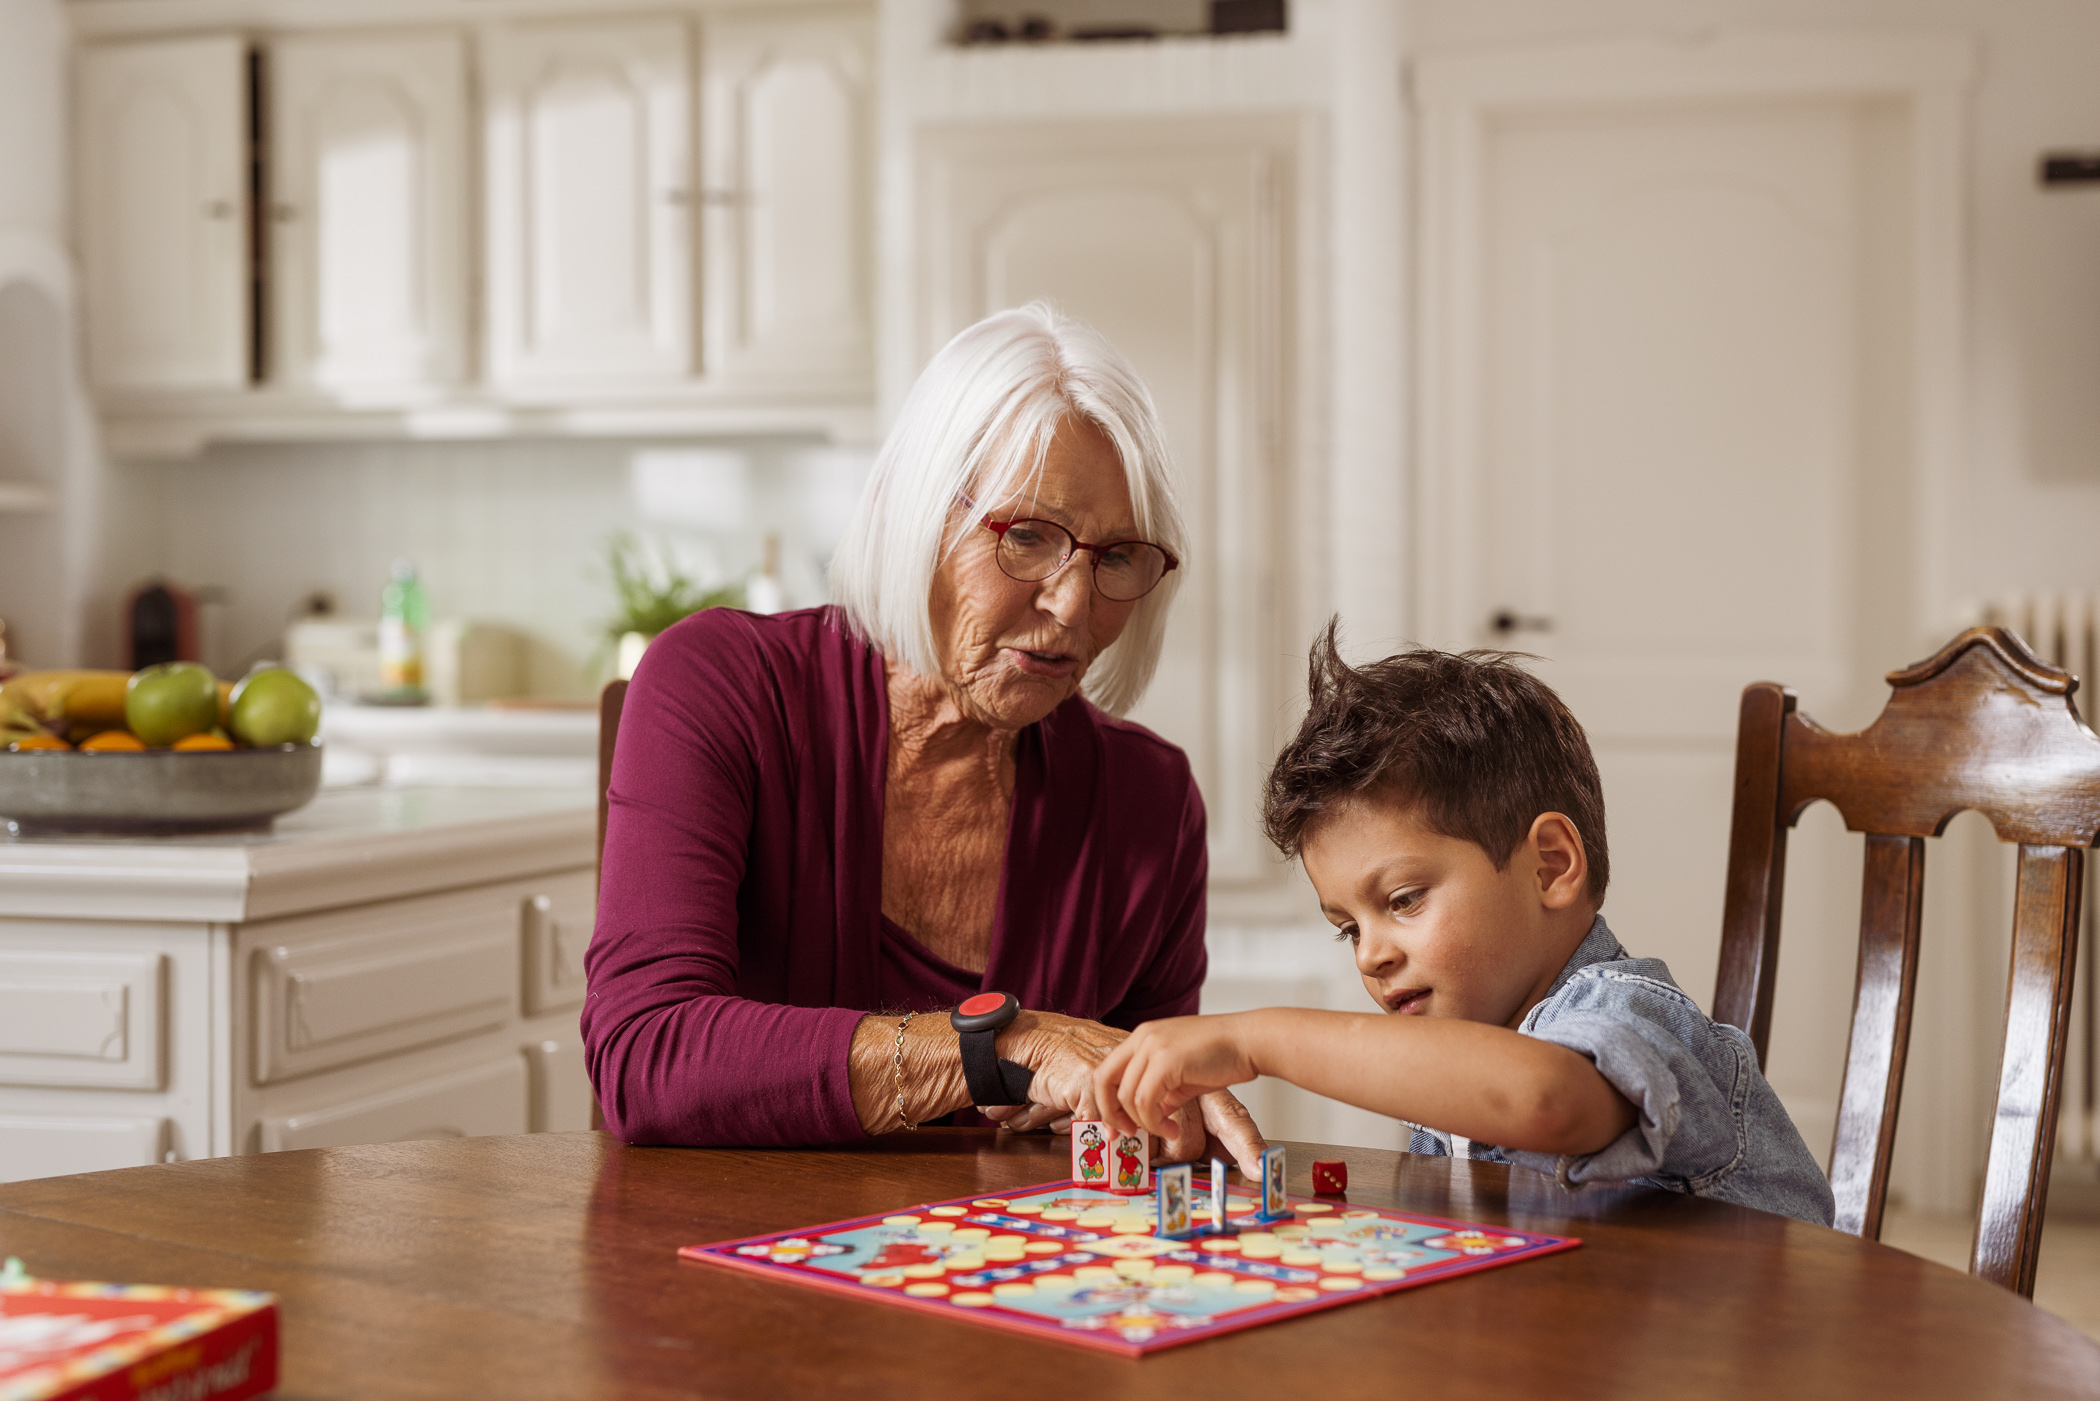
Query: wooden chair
x,y
611,701
1986,725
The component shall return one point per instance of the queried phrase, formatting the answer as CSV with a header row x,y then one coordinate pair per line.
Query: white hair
x,y
979,421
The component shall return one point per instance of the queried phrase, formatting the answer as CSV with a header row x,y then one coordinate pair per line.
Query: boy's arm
x,y
1481,1082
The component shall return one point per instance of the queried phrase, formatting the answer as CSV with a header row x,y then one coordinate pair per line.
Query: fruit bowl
x,y
161,792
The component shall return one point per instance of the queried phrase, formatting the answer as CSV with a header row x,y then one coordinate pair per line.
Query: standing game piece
x,y
1330,1179
1217,1196
1275,1206
1090,1153
1172,1198
1130,1157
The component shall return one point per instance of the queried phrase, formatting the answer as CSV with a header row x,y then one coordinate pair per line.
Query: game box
x,y
67,1341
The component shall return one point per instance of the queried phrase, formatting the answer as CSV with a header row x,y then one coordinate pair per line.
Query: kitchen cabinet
x,y
164,206
387,964
589,136
786,163
367,210
507,219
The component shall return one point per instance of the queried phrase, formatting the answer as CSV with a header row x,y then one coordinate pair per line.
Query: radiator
x,y
2062,628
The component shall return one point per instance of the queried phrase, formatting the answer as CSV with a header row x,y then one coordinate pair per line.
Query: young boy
x,y
1448,811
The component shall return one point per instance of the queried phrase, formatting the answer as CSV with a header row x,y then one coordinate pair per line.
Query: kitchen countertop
x,y
347,847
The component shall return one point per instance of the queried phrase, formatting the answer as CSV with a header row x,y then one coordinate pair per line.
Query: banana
x,y
74,699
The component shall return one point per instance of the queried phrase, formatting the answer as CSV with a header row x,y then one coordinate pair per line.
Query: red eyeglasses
x,y
1030,551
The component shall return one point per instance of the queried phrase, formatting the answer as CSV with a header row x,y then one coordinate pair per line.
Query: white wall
x,y
507,532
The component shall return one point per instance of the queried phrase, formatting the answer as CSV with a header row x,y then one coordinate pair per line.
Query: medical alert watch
x,y
978,1022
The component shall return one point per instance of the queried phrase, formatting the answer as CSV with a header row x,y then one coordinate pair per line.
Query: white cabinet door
x,y
368,209
82,1019
787,158
163,168
556,921
487,1099
54,1145
589,186
354,985
559,1083
1170,237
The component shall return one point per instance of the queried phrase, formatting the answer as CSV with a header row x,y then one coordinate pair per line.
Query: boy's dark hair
x,y
1476,744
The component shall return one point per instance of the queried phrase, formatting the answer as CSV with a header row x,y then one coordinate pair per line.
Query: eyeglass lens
x,y
1032,550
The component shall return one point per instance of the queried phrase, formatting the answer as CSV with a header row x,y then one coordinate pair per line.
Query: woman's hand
x,y
1066,1052
1152,1076
1062,1051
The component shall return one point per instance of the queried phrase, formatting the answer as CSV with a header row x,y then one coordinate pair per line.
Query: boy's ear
x,y
1564,866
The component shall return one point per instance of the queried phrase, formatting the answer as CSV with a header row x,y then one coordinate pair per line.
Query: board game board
x,y
1081,1265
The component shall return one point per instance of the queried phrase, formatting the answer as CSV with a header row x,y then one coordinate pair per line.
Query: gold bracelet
x,y
898,1064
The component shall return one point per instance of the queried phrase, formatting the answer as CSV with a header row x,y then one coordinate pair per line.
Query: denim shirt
x,y
1709,1124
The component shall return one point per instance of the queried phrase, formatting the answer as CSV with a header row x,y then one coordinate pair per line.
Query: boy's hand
x,y
1164,1065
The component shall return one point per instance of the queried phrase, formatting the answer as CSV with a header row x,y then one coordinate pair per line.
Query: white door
x,y
788,157
589,148
1170,238
368,197
163,170
1669,383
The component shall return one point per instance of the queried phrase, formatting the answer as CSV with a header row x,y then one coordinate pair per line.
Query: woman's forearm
x,y
1482,1082
929,1075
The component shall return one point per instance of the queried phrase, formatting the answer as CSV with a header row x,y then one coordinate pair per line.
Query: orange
x,y
28,742
207,740
112,742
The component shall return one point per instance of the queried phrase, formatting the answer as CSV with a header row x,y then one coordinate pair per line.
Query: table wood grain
x,y
545,1265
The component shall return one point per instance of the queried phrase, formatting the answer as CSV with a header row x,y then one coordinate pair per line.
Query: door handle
x,y
1508,621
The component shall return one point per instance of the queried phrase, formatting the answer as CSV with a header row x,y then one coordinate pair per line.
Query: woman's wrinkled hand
x,y
1062,1051
1065,1053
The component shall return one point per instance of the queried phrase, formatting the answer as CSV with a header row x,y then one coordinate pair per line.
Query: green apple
x,y
171,701
273,706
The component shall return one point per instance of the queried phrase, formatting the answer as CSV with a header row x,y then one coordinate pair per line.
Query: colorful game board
x,y
1082,1265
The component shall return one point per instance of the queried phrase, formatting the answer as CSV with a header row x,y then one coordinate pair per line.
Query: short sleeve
x,y
1682,1074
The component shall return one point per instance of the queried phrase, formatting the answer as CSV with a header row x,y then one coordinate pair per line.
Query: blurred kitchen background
x,y
1683,342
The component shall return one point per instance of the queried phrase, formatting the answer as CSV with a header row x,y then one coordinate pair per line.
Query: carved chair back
x,y
1983,725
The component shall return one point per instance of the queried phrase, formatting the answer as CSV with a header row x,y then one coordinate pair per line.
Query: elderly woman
x,y
828,826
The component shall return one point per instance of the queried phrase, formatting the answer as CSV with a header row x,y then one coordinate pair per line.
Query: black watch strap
x,y
991,1079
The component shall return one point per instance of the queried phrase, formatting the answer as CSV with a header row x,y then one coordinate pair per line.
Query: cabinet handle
x,y
219,209
1508,621
722,199
284,213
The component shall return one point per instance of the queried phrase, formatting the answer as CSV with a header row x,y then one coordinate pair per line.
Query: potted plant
x,y
652,594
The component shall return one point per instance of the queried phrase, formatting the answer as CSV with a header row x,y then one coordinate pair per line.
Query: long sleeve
x,y
676,1055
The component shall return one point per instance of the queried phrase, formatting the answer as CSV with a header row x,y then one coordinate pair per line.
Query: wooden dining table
x,y
546,1265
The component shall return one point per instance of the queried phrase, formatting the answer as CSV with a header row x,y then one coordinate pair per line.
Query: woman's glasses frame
x,y
1074,546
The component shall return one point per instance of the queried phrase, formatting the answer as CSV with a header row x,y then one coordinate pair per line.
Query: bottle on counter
x,y
762,591
404,627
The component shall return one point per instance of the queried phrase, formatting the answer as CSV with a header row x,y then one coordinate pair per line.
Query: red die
x,y
1330,1179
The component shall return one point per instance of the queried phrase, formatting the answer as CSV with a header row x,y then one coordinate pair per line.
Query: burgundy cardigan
x,y
740,931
